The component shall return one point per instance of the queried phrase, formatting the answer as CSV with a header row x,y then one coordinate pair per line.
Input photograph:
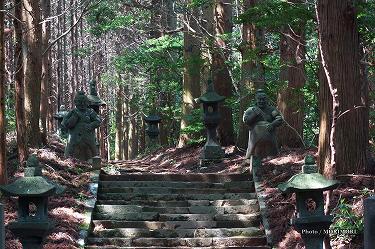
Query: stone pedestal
x,y
96,163
369,223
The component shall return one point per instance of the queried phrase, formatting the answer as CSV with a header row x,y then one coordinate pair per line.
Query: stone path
x,y
176,211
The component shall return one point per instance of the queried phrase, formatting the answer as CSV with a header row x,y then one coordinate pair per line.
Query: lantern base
x,y
211,154
31,234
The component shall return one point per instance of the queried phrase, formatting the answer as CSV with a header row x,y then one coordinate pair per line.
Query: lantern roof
x,y
93,96
33,184
211,96
308,180
153,118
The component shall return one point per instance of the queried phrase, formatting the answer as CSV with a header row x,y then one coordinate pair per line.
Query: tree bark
x,y
252,72
133,142
290,100
221,76
119,124
325,121
45,83
3,161
191,76
19,85
32,60
339,47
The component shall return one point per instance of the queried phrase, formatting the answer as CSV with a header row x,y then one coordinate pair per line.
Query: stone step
x,y
185,203
178,242
154,216
170,197
165,190
111,224
242,209
128,216
182,233
148,247
203,177
172,184
207,217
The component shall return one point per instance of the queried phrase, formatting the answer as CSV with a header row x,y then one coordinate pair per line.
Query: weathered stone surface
x,y
127,216
167,190
197,177
184,211
81,123
170,197
186,217
262,120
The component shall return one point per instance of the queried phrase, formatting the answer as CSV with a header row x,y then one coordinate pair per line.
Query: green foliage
x,y
105,16
195,129
345,219
274,14
366,21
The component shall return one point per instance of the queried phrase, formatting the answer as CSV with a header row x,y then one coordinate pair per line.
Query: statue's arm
x,y
249,116
70,120
95,120
278,119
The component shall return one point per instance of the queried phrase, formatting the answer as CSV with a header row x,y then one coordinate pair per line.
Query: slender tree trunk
x,y
290,100
252,72
19,85
325,121
221,76
32,68
133,143
339,47
125,111
45,84
142,135
191,77
3,161
119,124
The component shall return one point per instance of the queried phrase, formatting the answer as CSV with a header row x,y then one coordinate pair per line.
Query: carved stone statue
x,y
262,120
81,123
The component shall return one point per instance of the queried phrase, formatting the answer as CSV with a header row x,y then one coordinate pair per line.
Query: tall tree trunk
x,y
325,121
290,100
33,70
19,85
141,135
133,143
191,77
119,124
339,47
3,161
221,76
45,84
125,114
252,72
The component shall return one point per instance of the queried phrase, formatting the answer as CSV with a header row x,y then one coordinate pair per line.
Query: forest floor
x,y
67,210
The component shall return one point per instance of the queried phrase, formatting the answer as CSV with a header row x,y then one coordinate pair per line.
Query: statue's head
x,y
261,98
81,101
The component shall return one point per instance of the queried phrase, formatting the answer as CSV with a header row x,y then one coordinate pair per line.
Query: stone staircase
x,y
176,211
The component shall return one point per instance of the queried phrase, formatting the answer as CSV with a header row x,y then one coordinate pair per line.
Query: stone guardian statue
x,y
262,121
81,123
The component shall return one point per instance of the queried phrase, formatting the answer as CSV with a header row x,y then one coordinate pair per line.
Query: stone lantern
x,y
59,116
94,100
33,190
309,186
212,151
153,127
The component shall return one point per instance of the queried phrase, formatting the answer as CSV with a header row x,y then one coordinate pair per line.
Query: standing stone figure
x,y
262,120
81,123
